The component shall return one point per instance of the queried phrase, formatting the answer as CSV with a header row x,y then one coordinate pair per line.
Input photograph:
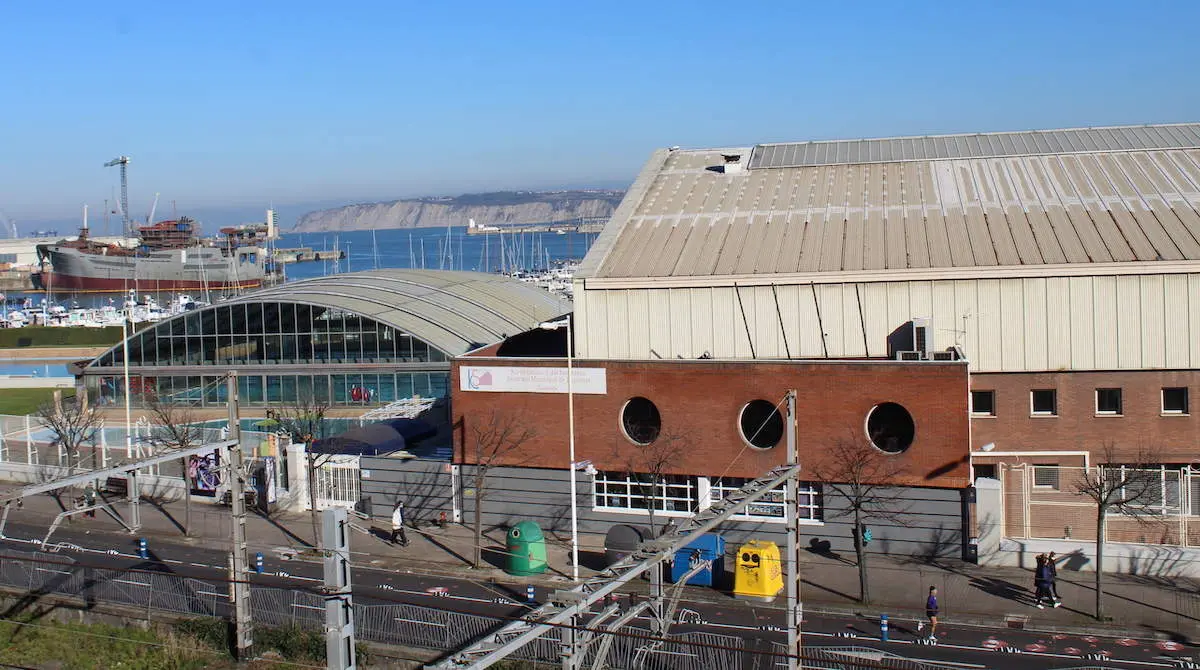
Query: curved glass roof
x,y
451,312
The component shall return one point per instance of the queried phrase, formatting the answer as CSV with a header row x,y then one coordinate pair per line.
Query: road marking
x,y
61,572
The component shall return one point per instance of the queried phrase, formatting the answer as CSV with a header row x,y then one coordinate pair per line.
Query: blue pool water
x,y
34,368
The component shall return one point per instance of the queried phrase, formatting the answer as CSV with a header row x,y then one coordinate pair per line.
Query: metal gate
x,y
338,482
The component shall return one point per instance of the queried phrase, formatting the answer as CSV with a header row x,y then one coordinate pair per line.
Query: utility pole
x,y
795,613
339,603
239,587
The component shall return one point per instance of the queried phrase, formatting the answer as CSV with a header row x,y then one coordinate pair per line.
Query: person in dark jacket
x,y
1040,577
1052,579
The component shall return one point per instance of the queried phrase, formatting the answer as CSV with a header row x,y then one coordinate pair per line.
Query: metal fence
x,y
1044,502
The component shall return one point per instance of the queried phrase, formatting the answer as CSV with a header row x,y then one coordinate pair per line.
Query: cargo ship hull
x,y
196,268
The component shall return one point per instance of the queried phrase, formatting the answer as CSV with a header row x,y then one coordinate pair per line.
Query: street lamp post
x,y
570,440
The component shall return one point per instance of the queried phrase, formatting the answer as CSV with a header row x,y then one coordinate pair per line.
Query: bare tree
x,y
866,479
74,423
500,440
648,466
1126,487
174,426
304,421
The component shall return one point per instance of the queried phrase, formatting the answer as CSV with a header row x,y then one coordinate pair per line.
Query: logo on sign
x,y
477,379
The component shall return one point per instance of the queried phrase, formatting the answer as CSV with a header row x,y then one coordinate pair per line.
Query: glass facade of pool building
x,y
365,338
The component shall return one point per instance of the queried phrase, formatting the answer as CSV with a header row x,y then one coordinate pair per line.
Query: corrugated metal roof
x,y
979,145
1115,203
451,311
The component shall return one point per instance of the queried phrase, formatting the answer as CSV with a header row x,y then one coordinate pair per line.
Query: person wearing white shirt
x,y
398,524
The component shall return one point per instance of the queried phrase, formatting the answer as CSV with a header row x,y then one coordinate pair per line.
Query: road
x,y
957,646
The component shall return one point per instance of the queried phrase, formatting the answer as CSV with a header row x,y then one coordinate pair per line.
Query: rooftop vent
x,y
733,163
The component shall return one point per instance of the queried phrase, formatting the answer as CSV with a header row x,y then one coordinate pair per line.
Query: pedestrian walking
x,y
89,499
398,524
1052,579
1040,577
931,612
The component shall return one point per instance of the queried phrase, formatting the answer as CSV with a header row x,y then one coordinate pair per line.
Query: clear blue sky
x,y
248,102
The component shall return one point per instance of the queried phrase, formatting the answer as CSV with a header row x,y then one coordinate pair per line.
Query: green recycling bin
x,y
526,550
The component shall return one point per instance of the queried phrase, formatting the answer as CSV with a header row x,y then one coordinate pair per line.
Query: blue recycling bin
x,y
709,547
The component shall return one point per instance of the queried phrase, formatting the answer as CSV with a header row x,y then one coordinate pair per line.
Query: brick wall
x,y
700,403
1077,427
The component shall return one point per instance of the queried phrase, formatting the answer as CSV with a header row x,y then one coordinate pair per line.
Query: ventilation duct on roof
x,y
733,163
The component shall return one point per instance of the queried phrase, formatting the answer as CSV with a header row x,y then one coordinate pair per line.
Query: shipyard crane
x,y
123,161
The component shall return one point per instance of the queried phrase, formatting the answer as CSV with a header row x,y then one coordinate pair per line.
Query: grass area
x,y
27,401
54,336
186,645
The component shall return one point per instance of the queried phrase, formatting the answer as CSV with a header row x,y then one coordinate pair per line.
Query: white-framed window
x,y
1045,477
983,403
1175,400
1043,402
1155,489
1108,402
771,506
634,492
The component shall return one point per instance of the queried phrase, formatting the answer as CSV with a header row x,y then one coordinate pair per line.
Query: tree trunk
x,y
650,508
1101,513
478,520
860,555
312,496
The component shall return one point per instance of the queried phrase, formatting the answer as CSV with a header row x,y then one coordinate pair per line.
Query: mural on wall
x,y
204,473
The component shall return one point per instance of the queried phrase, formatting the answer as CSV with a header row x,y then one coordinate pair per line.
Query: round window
x,y
761,424
640,420
890,428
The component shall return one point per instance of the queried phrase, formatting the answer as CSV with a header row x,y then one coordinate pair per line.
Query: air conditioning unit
x,y
922,336
949,355
910,356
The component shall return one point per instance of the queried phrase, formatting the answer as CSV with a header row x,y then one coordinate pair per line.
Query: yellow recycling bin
x,y
758,574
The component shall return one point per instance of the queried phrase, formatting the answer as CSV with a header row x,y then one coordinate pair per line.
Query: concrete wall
x,y
425,486
1010,324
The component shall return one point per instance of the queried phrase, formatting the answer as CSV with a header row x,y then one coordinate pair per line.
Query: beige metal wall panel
x,y
989,321
1129,322
619,322
725,318
1152,322
945,315
1012,323
966,310
876,305
920,304
832,297
768,343
899,310
742,323
852,342
1104,322
659,303
1194,319
804,334
640,318
703,321
1032,324
596,333
583,320
1083,323
1177,308
681,324
1058,323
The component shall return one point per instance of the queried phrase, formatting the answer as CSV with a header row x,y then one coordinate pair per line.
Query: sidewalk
x,y
969,594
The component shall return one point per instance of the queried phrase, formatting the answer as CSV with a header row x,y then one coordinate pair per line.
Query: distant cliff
x,y
485,208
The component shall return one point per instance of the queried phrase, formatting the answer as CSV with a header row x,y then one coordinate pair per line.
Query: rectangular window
x,y
983,403
1108,401
1043,402
1045,476
771,506
621,491
1175,400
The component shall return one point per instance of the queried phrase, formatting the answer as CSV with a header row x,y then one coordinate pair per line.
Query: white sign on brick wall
x,y
531,380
